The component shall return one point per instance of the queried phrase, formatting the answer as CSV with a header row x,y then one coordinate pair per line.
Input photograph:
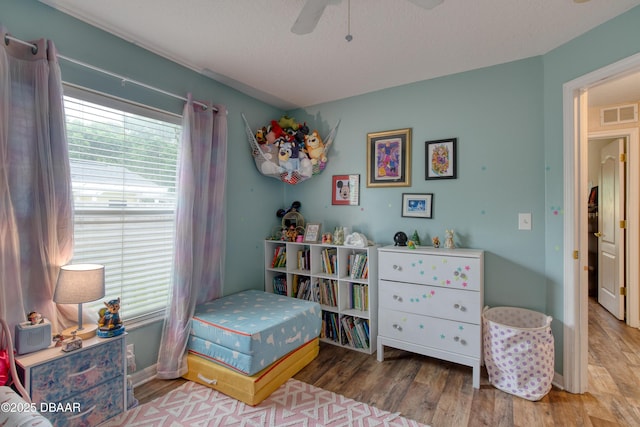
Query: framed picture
x,y
417,205
312,232
389,158
345,190
441,159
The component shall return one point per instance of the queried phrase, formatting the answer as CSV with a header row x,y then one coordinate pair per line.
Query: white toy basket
x,y
518,351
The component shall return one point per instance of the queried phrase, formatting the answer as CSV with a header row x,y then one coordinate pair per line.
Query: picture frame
x,y
441,159
389,158
312,232
345,190
416,205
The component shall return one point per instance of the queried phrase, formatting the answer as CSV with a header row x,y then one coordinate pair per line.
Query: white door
x,y
611,211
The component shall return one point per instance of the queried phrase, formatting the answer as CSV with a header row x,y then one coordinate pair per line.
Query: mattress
x,y
250,330
255,388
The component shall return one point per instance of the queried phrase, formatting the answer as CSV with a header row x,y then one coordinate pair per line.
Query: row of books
x,y
329,292
329,260
280,284
304,289
358,266
279,257
304,259
356,331
359,296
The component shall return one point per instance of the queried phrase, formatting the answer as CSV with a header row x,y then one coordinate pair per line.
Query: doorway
x,y
575,118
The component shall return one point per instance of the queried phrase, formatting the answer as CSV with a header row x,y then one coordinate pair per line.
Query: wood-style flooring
x,y
440,393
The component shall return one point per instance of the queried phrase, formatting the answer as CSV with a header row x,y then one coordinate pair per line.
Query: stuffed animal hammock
x,y
287,151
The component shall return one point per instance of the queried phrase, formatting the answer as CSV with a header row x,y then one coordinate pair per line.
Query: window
x,y
123,170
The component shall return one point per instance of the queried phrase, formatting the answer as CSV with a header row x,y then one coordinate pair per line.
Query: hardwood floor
x,y
441,394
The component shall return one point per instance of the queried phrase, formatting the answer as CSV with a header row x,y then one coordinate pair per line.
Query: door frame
x,y
575,251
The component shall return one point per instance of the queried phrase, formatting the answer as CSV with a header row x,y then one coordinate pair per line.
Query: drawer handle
x,y
83,372
460,307
397,327
207,380
82,414
397,298
397,267
460,340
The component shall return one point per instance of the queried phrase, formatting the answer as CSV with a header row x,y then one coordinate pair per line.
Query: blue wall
x,y
507,118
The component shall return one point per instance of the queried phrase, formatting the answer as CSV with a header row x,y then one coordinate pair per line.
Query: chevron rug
x,y
295,403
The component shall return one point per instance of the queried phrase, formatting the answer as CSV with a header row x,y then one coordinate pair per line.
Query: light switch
x,y
524,221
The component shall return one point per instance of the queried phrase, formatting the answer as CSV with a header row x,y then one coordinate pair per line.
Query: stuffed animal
x,y
287,122
315,148
288,157
261,135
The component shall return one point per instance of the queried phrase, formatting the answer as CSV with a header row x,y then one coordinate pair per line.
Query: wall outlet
x,y
524,221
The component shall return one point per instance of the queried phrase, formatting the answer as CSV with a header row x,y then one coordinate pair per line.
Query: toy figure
x,y
110,324
448,241
35,318
435,241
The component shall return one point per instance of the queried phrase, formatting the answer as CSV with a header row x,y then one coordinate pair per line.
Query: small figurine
x,y
291,234
110,324
35,318
411,244
415,238
327,238
338,236
435,241
448,241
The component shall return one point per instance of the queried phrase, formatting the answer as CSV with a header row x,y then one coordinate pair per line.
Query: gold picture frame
x,y
389,158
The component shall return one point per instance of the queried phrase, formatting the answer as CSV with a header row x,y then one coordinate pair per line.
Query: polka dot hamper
x,y
518,351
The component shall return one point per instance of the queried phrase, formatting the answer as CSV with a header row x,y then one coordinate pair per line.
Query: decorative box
x,y
30,338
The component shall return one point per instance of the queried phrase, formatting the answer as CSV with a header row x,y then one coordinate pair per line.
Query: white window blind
x,y
123,172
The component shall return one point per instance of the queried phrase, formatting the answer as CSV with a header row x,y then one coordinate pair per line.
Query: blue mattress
x,y
250,330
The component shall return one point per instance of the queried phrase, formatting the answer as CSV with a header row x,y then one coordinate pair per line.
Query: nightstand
x,y
83,387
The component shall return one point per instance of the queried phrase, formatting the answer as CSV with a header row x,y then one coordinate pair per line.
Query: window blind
x,y
123,173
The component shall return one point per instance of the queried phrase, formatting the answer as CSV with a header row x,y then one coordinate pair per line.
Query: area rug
x,y
295,403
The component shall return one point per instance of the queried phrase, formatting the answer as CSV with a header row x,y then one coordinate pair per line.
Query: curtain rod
x,y
34,49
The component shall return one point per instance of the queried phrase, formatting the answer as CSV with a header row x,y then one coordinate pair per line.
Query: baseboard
x,y
558,380
144,376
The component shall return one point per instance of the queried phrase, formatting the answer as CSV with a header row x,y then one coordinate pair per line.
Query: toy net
x,y
301,169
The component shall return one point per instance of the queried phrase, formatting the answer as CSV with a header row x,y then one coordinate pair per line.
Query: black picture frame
x,y
389,158
416,205
441,159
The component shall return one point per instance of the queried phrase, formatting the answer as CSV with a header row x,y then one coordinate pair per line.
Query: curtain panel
x,y
36,206
198,270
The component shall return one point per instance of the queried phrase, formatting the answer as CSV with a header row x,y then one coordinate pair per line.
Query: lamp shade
x,y
79,283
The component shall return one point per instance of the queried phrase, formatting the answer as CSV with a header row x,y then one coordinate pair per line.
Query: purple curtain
x,y
36,205
198,270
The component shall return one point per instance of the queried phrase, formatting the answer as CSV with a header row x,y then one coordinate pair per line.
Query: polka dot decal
x,y
518,351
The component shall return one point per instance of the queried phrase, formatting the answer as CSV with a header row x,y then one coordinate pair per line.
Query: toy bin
x,y
518,351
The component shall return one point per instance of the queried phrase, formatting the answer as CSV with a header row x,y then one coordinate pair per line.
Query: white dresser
x,y
430,302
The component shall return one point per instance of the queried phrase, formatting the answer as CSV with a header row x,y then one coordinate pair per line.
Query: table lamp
x,y
77,284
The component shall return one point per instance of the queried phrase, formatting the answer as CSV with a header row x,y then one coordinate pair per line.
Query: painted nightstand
x,y
83,387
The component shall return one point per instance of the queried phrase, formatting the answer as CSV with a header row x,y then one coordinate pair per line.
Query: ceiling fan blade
x,y
309,16
427,4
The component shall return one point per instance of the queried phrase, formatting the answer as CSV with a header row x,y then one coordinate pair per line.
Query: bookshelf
x,y
343,280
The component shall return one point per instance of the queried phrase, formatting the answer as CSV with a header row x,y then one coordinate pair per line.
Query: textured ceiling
x,y
247,44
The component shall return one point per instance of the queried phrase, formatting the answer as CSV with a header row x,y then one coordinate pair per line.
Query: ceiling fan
x,y
313,9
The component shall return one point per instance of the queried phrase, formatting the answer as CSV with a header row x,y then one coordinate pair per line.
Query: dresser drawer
x,y
76,372
440,270
92,406
453,304
458,337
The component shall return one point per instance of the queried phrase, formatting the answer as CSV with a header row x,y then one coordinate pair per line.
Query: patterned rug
x,y
294,404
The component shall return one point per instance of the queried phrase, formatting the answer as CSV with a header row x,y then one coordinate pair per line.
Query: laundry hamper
x,y
518,351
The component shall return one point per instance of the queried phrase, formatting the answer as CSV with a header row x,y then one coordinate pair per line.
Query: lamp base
x,y
87,331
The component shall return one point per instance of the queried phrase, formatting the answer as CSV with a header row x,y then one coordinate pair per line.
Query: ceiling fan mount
x,y
313,9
